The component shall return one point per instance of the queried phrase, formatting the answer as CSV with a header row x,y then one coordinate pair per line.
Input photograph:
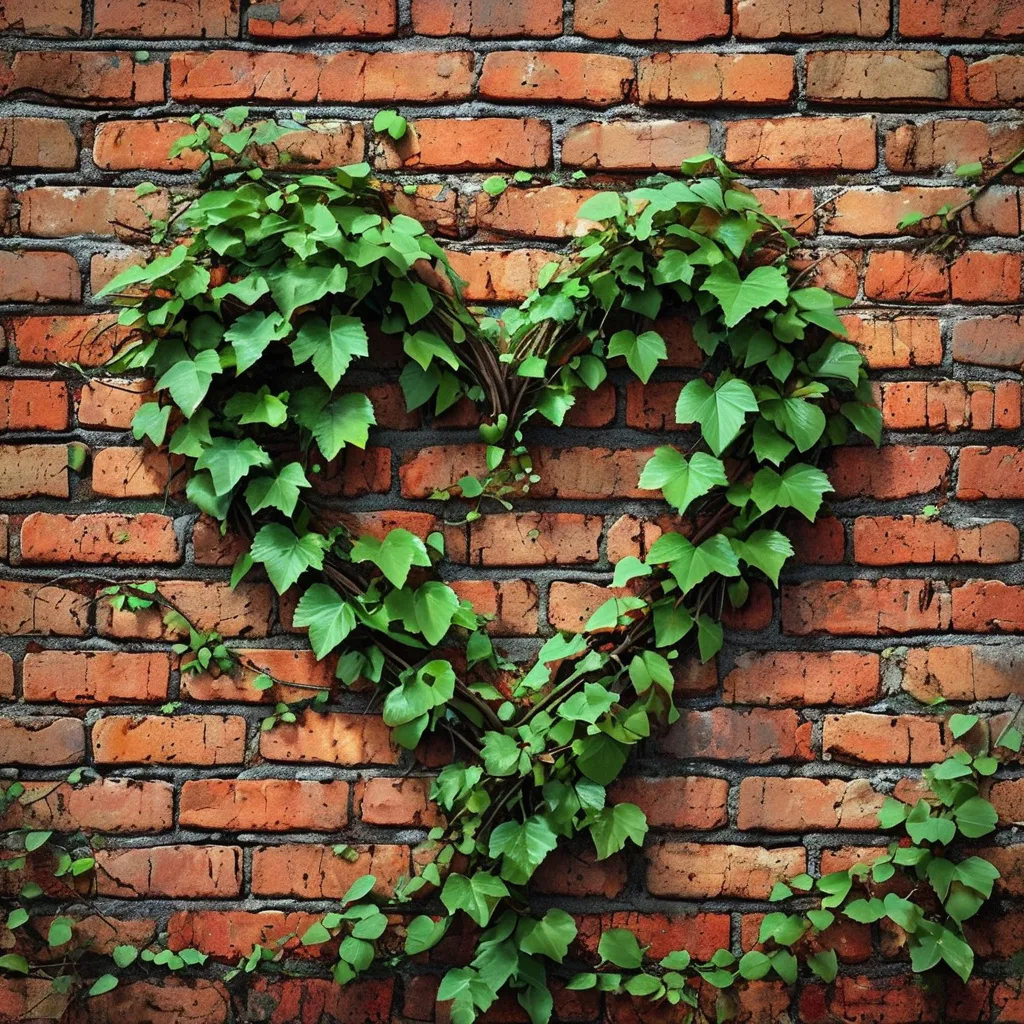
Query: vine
x,y
250,323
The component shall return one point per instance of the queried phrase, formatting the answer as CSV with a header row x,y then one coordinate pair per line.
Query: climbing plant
x,y
269,291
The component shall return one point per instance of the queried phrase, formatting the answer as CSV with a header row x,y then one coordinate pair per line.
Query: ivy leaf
x,y
500,754
800,487
300,282
619,946
709,637
825,965
589,704
720,412
424,933
739,296
836,359
551,936
188,380
477,895
60,932
414,298
330,618
643,352
394,556
434,604
251,334
104,983
261,407
150,420
332,347
228,461
285,556
682,481
941,944
692,564
522,847
601,758
613,826
766,550
280,491
975,817
344,420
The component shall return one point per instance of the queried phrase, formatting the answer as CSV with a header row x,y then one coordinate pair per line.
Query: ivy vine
x,y
271,290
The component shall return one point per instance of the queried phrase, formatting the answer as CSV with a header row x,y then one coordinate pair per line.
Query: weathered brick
x,y
171,872
972,19
803,678
802,144
856,76
101,805
41,741
96,677
316,872
988,607
634,146
62,18
547,212
963,673
293,672
462,145
112,402
229,934
39,277
945,144
403,801
50,212
331,739
702,933
996,472
994,81
883,739
799,805
299,19
169,739
775,19
44,608
534,538
199,1000
89,78
865,607
513,603
724,734
918,540
950,405
33,470
672,20
889,472
499,275
28,142
100,539
89,340
483,19
896,275
166,19
264,805
990,341
6,676
895,343
692,78
220,75
590,79
33,405
699,871
130,473
691,802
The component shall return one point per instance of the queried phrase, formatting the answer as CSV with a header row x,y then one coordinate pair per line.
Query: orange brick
x,y
44,608
776,19
724,734
900,276
803,678
62,18
41,741
166,19
89,340
691,802
692,78
100,805
33,405
988,607
389,77
33,470
590,79
889,472
331,739
171,739
480,19
300,19
39,277
802,144
534,538
264,805
90,78
963,673
398,802
315,872
481,144
221,75
986,277
917,540
95,677
701,871
674,20
945,144
994,81
635,146
881,739
856,76
170,872
100,539
990,341
976,19
800,805
996,472
27,142
50,212
112,402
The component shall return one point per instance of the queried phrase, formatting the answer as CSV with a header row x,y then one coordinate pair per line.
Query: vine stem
x,y
1001,171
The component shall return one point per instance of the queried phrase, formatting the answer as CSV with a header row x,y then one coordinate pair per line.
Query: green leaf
x,y
970,170
603,206
332,347
261,407
228,461
280,492
500,754
434,604
251,334
766,550
344,420
824,964
975,817
643,352
14,963
754,965
330,618
16,918
720,412
104,983
601,758
682,481
740,296
60,932
394,556
390,121
522,847
550,936
494,185
424,933
800,487
150,420
613,826
629,568
476,895
959,725
34,840
619,946
692,565
188,380
709,637
285,556
837,359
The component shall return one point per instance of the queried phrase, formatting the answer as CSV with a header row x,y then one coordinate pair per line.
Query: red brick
x,y
221,75
802,144
901,276
972,19
499,275
39,277
701,933
963,673
995,81
315,872
775,19
895,343
513,603
33,405
41,741
244,611
857,76
724,734
634,146
62,18
692,78
881,739
837,272
918,540
486,19
990,341
996,472
692,802
803,678
100,539
673,20
131,473
590,79
169,739
51,212
28,142
42,608
875,211
112,402
173,872
286,667
166,19
547,212
331,739
165,1002
462,145
386,77
231,934
950,405
33,470
95,677
300,19
264,805
793,205
801,805
889,472
403,801
988,607
89,340
90,78
100,805
321,999
865,607
987,277
569,872
6,676
697,871
819,543
945,144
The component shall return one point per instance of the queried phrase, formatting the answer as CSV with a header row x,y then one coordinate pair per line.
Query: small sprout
x,y
971,170
931,511
391,122
145,188
522,177
170,707
142,55
495,185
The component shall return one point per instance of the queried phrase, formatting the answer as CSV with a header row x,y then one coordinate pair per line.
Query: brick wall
x,y
848,115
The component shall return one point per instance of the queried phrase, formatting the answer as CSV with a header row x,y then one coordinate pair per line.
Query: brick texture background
x,y
848,113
